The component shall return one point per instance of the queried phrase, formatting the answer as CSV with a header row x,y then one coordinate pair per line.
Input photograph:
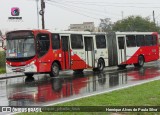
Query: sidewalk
x,y
10,75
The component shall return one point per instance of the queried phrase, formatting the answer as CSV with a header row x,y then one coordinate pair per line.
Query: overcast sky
x,y
59,14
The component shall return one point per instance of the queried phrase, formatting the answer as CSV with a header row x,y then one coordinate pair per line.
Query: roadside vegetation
x,y
147,94
2,62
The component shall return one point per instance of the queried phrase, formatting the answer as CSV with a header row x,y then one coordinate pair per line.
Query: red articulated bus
x,y
44,51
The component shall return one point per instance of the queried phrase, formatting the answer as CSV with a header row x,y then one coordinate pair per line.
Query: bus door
x,y
121,49
66,56
89,51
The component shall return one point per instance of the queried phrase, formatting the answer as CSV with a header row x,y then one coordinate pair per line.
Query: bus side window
x,y
130,40
154,40
55,41
100,41
43,44
149,40
140,40
76,41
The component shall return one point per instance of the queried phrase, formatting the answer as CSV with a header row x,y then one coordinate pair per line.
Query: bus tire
x,y
140,61
95,69
29,79
101,65
78,70
29,74
54,70
122,66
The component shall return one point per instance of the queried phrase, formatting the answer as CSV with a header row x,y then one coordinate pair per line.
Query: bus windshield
x,y
20,46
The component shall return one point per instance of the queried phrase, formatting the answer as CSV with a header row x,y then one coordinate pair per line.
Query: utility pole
x,y
37,14
42,13
154,17
122,15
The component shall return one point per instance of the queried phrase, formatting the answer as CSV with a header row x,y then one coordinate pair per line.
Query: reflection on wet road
x,y
42,89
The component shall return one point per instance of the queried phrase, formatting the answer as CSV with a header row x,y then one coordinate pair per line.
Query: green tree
x,y
105,25
136,23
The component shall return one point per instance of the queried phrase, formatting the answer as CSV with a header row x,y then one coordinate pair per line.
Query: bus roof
x,y
69,32
76,32
53,31
137,33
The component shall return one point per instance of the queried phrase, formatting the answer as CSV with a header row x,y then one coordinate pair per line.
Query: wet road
x,y
44,90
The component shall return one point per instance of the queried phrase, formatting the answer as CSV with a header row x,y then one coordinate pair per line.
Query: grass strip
x,y
2,70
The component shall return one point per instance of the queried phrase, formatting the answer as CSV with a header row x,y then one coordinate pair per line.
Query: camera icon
x,y
6,109
15,11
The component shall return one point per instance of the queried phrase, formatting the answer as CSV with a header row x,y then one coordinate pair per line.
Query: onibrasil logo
x,y
15,15
15,11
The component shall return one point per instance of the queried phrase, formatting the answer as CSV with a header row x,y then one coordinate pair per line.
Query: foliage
x,y
2,62
2,59
2,70
0,33
105,25
136,23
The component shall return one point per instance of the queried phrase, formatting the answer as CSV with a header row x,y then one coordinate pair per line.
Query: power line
x,y
93,11
70,8
105,4
99,2
66,8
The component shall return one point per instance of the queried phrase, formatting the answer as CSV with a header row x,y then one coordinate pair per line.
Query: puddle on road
x,y
42,89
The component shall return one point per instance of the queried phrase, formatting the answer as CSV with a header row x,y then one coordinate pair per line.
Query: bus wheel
x,y
78,70
122,66
29,79
95,69
54,70
29,74
140,62
101,65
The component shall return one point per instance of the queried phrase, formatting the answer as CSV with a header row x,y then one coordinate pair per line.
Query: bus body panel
x,y
77,62
150,54
78,58
26,66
